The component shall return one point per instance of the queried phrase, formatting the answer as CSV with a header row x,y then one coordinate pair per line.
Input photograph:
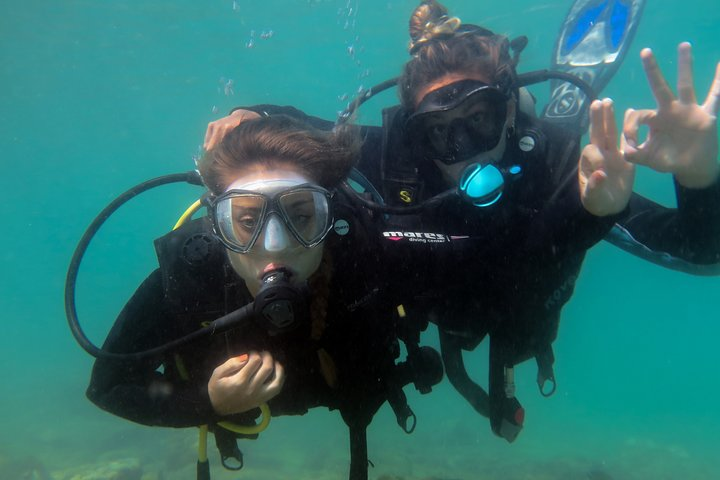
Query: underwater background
x,y
97,96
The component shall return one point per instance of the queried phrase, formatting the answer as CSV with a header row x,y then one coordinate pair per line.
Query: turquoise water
x,y
97,96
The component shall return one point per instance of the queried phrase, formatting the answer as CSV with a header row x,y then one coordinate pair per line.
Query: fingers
x,y
631,127
273,387
208,136
591,177
214,134
263,373
660,88
603,129
611,133
686,90
597,124
595,181
712,103
231,367
634,151
217,130
244,382
591,160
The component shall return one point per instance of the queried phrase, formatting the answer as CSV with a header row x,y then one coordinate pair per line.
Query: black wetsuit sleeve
x,y
268,109
566,225
686,238
147,391
562,221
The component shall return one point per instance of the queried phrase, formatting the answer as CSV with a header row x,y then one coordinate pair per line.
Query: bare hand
x,y
243,383
683,137
605,178
217,130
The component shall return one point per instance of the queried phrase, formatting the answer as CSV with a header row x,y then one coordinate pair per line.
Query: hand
x,y
605,178
243,383
683,136
217,130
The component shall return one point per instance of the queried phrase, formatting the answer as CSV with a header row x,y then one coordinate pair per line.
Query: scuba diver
x,y
281,241
507,203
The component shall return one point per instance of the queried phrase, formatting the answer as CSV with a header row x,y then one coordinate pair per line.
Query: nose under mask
x,y
276,238
461,144
452,173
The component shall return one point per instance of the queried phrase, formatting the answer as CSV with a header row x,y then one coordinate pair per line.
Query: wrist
x,y
699,178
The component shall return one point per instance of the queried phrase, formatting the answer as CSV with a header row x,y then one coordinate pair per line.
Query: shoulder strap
x,y
193,267
552,144
559,169
362,185
401,183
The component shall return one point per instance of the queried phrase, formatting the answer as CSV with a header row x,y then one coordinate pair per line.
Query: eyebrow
x,y
301,201
244,209
486,106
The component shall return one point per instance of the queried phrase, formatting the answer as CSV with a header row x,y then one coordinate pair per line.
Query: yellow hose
x,y
188,214
202,444
233,427
252,429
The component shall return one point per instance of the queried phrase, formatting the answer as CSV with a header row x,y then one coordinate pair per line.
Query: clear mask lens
x,y
241,216
307,213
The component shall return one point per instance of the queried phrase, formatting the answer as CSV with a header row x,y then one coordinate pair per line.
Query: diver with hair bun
x,y
508,203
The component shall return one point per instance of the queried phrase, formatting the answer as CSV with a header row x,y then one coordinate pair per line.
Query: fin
x,y
593,41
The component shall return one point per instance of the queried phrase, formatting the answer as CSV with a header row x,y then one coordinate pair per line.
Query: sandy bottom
x,y
84,439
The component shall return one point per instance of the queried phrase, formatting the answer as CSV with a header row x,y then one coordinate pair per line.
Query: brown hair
x,y
461,48
325,157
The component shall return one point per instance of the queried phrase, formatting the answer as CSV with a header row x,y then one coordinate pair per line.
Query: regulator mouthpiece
x,y
279,306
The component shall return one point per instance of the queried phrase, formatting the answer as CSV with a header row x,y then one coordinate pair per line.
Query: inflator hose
x,y
221,324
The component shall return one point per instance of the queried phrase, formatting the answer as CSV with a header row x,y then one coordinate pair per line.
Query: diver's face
x,y
453,171
473,132
276,247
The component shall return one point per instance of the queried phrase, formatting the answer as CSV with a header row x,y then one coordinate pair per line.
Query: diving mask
x,y
240,216
460,120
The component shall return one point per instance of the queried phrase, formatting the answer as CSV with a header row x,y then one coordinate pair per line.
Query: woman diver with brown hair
x,y
513,203
278,234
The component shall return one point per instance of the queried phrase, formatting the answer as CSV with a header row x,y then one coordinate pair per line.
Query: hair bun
x,y
428,21
429,11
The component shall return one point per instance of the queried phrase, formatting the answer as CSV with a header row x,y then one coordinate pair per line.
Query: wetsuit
x,y
507,270
342,360
686,238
